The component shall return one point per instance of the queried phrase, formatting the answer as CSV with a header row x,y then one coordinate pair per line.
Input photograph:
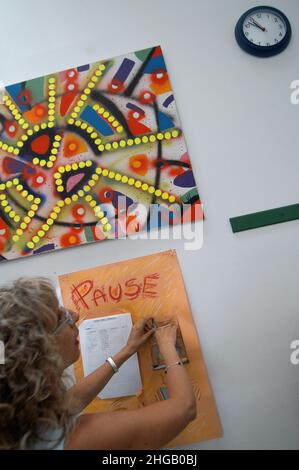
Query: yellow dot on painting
x,y
138,184
27,219
93,135
82,164
30,245
95,177
158,192
152,138
151,189
24,193
144,187
37,200
31,214
9,184
67,201
42,162
91,183
30,132
111,174
115,145
16,218
50,221
15,238
15,181
23,225
75,166
123,143
100,214
52,158
86,188
60,189
50,164
97,141
57,209
68,168
53,215
171,198
19,232
30,197
80,193
88,163
117,177
12,214
88,198
45,227
131,181
71,121
119,129
61,169
108,146
124,179
130,142
35,239
145,139
107,227
51,80
165,196
137,140
99,170
106,114
105,172
35,161
93,203
20,144
175,133
75,197
34,207
41,233
16,151
167,135
101,148
104,220
160,136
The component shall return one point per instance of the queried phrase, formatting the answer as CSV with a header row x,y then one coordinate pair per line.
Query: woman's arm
x,y
151,427
86,389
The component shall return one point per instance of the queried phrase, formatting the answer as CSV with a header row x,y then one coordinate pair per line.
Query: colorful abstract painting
x,y
74,143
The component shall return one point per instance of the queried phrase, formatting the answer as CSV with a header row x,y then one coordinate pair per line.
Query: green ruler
x,y
261,219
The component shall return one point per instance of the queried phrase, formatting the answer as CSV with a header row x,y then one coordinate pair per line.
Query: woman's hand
x,y
141,331
166,333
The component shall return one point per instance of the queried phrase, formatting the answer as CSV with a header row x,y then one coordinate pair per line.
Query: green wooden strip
x,y
261,219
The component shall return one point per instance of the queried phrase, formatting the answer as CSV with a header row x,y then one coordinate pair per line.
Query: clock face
x,y
263,31
264,28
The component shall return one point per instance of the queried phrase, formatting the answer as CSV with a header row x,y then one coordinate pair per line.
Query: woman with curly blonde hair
x,y
37,411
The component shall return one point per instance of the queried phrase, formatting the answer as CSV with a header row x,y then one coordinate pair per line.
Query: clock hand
x,y
255,23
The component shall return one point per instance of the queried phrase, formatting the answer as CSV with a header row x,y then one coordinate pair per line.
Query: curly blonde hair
x,y
32,392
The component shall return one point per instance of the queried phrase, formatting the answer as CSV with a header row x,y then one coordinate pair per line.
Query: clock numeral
x,y
275,19
246,33
280,34
276,40
247,25
268,44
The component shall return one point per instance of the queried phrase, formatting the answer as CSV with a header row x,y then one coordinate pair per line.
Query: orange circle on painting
x,y
40,111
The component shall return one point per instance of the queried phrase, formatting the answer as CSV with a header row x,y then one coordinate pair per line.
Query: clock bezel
x,y
262,51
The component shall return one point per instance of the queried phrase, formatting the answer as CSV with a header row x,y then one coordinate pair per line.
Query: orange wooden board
x,y
149,285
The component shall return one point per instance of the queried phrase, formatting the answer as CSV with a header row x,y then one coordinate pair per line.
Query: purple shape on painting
x,y
168,100
185,180
83,68
124,70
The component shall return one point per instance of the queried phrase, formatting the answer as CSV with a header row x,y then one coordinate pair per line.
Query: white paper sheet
x,y
105,336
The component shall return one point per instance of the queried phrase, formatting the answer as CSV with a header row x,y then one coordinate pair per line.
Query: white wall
x,y
241,131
